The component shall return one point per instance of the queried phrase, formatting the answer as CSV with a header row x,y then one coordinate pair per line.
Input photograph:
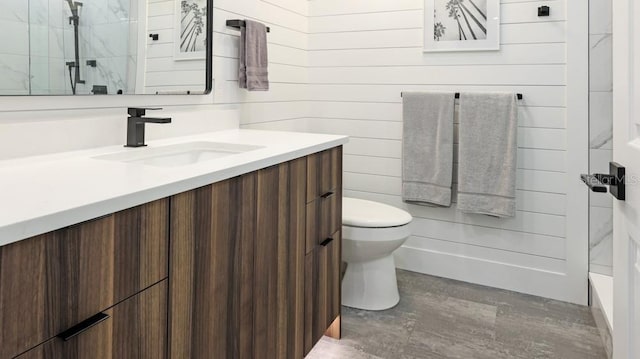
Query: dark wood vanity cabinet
x,y
213,265
55,281
244,268
250,276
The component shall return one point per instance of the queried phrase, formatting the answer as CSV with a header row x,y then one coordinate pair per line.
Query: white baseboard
x,y
491,273
602,286
602,308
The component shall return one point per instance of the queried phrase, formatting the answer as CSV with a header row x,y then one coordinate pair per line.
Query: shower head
x,y
73,6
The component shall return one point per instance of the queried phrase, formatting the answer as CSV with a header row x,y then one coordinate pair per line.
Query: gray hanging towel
x,y
427,147
487,154
253,60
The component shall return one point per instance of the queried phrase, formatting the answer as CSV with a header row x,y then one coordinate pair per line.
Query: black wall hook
x,y
544,11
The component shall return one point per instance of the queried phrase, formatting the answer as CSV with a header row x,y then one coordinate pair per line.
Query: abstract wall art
x,y
191,34
462,25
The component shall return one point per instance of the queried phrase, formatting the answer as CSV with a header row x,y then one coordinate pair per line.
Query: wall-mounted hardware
x,y
74,20
92,63
83,327
238,24
544,11
136,122
615,180
154,37
457,95
99,90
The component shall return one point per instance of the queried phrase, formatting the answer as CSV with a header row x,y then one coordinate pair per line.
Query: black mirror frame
x,y
209,56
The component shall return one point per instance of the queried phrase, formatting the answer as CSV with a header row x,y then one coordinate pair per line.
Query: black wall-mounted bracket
x,y
615,180
154,37
92,63
544,11
238,24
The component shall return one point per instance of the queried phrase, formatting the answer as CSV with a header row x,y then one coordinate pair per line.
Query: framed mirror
x,y
106,47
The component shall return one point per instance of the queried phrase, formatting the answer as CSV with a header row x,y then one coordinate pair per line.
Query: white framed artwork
x,y
461,25
191,30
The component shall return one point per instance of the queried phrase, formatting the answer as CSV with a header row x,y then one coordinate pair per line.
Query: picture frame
x,y
461,25
190,30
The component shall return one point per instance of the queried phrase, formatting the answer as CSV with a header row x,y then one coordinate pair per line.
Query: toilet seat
x,y
367,214
376,234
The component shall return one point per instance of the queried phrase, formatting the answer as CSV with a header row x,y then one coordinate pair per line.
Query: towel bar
x,y
520,96
238,24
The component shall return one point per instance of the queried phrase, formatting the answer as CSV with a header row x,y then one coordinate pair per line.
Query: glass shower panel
x,y
69,47
104,46
601,134
45,56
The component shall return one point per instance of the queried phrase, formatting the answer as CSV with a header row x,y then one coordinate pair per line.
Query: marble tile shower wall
x,y
107,36
601,133
47,21
37,40
14,47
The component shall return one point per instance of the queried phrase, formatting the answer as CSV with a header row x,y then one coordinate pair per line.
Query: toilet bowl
x,y
371,232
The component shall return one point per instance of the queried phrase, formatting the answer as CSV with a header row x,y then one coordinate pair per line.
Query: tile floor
x,y
442,318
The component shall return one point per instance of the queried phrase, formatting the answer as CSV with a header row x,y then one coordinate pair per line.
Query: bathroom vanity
x,y
234,258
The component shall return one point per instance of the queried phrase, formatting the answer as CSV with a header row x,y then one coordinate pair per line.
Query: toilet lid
x,y
368,214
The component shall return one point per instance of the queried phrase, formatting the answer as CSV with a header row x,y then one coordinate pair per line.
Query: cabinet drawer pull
x,y
328,194
326,242
83,327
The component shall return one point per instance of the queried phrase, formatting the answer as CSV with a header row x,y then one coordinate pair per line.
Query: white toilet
x,y
372,231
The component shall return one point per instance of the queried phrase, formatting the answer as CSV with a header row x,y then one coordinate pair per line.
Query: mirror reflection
x,y
103,47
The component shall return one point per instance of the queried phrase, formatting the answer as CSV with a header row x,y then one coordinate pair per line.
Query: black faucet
x,y
135,125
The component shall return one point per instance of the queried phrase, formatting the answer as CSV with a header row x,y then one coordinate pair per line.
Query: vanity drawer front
x,y
135,328
323,219
51,282
330,217
322,290
324,173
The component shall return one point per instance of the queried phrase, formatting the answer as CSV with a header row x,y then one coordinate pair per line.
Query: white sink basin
x,y
182,154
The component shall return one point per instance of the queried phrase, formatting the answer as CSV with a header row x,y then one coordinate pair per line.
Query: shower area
x,y
67,47
600,154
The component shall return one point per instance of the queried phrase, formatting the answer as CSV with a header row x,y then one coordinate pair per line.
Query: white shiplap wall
x,y
162,73
362,54
39,125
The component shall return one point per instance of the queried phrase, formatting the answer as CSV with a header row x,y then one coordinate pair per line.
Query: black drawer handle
x,y
83,327
326,242
328,194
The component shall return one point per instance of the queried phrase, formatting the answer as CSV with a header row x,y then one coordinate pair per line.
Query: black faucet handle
x,y
141,111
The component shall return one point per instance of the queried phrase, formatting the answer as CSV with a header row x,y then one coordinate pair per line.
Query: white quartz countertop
x,y
45,193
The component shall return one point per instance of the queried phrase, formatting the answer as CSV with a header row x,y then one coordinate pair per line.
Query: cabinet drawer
x,y
51,282
324,173
135,328
322,289
323,219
